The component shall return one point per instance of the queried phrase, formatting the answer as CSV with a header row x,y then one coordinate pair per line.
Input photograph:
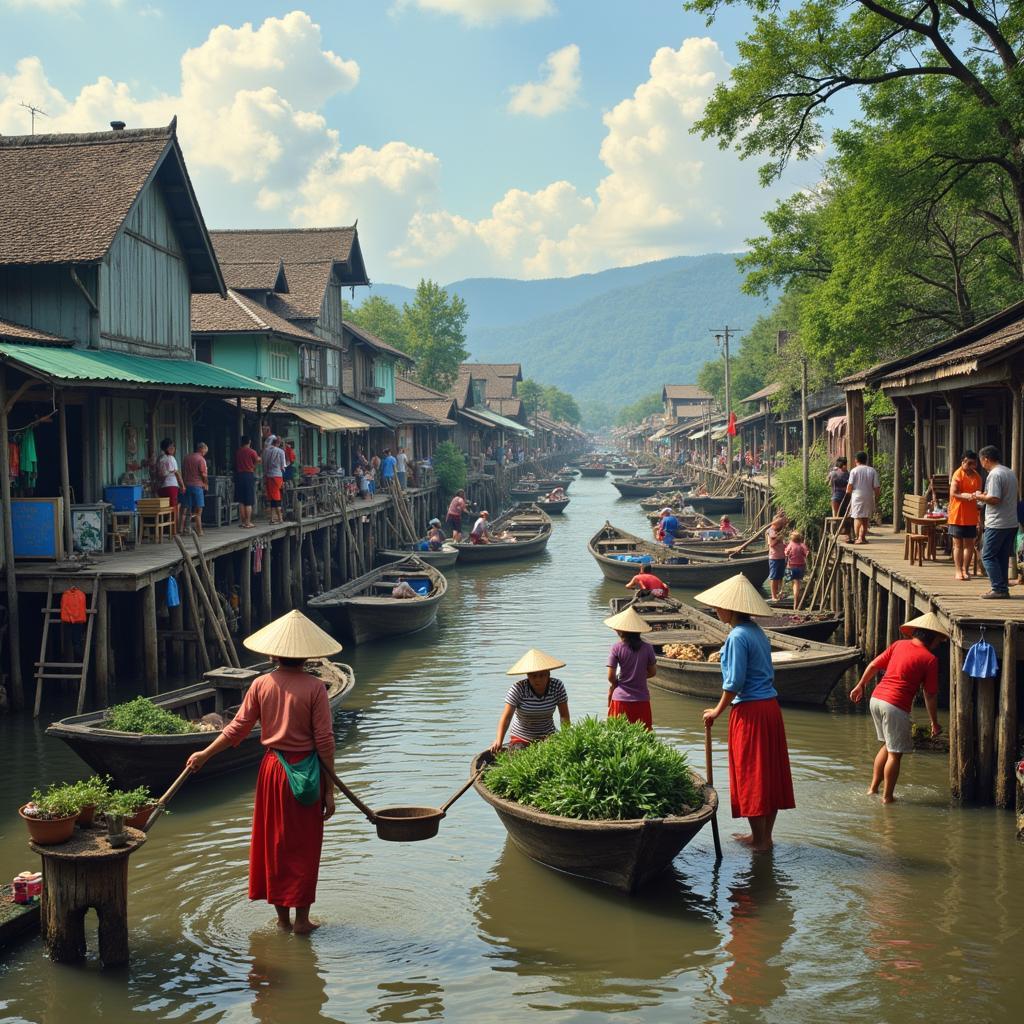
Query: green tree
x,y
531,394
560,405
383,318
640,409
435,327
449,467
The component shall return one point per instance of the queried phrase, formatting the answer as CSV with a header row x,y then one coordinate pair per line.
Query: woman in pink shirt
x,y
292,800
796,562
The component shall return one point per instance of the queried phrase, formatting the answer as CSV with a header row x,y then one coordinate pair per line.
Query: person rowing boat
x,y
292,802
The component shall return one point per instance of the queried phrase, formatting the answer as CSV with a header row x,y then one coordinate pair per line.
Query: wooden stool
x,y
123,530
86,872
157,525
915,547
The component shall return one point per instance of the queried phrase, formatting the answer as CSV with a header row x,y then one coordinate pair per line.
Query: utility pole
x,y
803,423
722,335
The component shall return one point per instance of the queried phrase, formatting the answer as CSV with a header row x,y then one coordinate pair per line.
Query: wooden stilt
x,y
177,619
965,747
266,585
1006,721
245,590
16,685
985,714
285,575
149,645
325,541
102,663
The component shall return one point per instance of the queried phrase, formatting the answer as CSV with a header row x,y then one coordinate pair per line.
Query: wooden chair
x,y
915,547
123,530
915,539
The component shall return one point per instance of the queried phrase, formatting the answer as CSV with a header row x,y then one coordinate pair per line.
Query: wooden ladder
x,y
59,670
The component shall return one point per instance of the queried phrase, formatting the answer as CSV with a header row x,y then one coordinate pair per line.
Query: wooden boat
x,y
641,487
810,625
665,499
677,569
622,854
553,508
443,559
715,506
133,759
592,469
526,523
806,671
364,610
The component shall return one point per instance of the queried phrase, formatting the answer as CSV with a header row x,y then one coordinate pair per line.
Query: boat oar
x,y
743,547
711,782
161,804
332,775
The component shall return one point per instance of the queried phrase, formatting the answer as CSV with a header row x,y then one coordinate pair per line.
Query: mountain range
x,y
610,337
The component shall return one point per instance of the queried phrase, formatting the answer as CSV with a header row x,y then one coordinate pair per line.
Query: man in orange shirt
x,y
963,518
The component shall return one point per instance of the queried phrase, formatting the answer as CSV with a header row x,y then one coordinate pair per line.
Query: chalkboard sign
x,y
37,527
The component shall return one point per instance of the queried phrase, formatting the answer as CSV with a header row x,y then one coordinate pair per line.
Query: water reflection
x,y
412,1000
285,978
598,948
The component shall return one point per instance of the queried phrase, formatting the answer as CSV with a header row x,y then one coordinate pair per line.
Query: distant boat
x,y
443,559
528,530
552,508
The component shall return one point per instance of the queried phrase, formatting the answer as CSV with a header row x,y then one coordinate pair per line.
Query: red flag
x,y
731,428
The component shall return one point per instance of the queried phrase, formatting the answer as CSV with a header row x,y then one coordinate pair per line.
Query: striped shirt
x,y
534,718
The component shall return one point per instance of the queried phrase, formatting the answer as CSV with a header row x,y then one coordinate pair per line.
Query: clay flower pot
x,y
48,831
86,815
140,817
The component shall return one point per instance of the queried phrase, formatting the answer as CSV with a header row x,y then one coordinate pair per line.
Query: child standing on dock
x,y
796,563
776,554
909,665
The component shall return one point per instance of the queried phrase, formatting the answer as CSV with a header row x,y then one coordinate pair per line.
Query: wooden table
x,y
929,526
86,872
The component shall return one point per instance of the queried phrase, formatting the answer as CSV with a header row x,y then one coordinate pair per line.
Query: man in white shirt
x,y
863,489
1000,500
401,466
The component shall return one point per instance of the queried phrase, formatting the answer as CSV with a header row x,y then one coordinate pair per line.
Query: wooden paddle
x,y
711,782
746,544
332,775
161,804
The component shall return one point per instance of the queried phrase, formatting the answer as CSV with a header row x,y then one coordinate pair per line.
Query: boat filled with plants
x,y
604,800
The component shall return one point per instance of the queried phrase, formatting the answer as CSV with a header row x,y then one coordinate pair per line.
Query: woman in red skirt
x,y
760,783
292,800
631,662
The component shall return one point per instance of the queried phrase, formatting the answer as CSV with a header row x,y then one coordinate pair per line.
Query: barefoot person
x,y
760,783
292,801
863,488
963,516
530,703
909,665
631,662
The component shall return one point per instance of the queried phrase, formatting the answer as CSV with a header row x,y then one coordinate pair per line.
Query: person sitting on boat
x,y
292,802
481,533
909,665
646,584
558,494
435,536
403,590
668,527
760,782
631,662
726,528
453,518
530,703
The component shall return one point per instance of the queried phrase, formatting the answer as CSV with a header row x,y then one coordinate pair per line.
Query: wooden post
x,y
891,608
149,645
266,586
177,617
325,557
17,689
955,685
985,695
102,642
966,756
245,590
1006,722
196,619
285,575
897,468
870,632
65,476
916,484
954,448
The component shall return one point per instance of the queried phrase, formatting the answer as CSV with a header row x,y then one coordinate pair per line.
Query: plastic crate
x,y
123,497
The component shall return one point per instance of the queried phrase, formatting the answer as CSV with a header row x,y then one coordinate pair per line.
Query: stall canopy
x,y
89,368
325,420
497,420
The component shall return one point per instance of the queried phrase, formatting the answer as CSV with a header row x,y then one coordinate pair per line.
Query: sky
x,y
512,138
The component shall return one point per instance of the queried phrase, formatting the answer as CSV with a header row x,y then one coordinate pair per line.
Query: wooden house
x,y
477,390
684,402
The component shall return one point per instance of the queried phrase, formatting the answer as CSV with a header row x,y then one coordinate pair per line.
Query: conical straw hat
x,y
929,621
534,661
737,594
628,621
292,636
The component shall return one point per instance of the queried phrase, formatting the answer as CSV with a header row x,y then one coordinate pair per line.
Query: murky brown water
x,y
863,913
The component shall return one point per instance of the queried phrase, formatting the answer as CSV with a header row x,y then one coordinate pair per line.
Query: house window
x,y
368,374
333,367
278,361
310,363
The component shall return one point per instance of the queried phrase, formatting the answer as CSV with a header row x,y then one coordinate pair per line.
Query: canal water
x,y
868,913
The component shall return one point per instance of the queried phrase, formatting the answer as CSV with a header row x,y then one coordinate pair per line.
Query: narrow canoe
x,y
593,470
133,759
639,487
364,610
443,559
682,570
674,499
622,854
715,506
530,527
553,508
806,671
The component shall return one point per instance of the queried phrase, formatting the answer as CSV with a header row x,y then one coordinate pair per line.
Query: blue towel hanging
x,y
173,597
981,661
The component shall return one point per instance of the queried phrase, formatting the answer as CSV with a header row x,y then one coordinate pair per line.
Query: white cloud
x,y
558,86
485,12
49,6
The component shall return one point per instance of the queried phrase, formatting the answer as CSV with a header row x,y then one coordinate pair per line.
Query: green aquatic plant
x,y
141,715
593,770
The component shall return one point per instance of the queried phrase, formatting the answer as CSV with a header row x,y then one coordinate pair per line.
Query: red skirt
x,y
284,856
632,710
759,778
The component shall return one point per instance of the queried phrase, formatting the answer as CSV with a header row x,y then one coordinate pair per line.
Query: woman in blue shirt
x,y
760,783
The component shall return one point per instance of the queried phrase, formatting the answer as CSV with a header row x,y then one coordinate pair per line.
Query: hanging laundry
x,y
14,459
173,596
257,559
72,606
28,460
981,661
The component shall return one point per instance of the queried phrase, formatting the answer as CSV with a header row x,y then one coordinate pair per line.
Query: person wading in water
x,y
292,799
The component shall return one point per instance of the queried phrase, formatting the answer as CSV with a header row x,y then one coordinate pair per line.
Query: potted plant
x,y
50,816
132,806
92,792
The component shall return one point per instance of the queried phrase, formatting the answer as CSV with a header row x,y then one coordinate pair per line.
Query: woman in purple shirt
x,y
631,662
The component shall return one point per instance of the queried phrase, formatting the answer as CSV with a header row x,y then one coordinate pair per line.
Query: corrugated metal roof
x,y
323,419
500,421
87,366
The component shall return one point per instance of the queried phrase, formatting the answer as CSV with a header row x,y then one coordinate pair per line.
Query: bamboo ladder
x,y
47,669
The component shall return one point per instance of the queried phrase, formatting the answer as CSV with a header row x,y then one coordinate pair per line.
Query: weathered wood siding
x,y
145,294
329,326
48,299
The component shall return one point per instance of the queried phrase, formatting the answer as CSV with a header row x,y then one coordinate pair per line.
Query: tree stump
x,y
82,873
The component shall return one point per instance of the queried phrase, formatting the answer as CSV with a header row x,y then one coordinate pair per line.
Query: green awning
x,y
91,368
501,421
